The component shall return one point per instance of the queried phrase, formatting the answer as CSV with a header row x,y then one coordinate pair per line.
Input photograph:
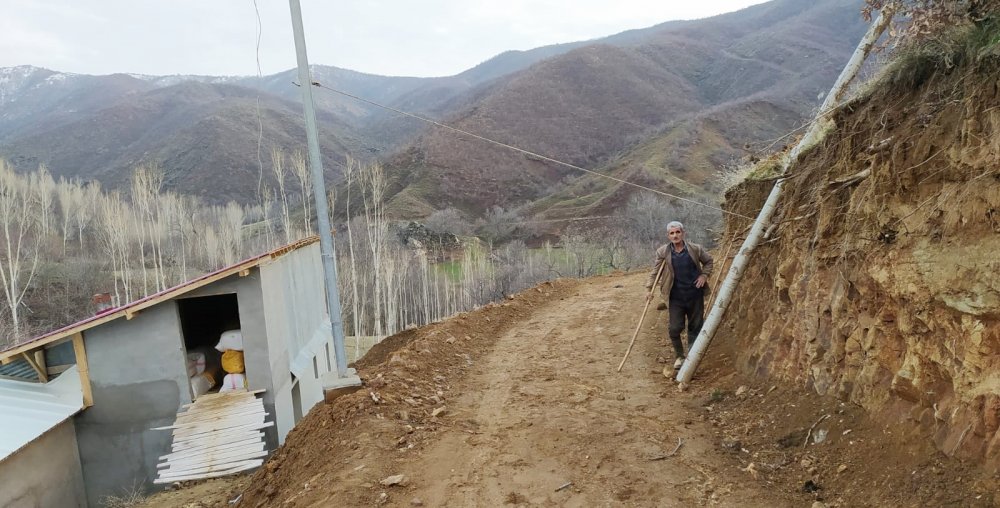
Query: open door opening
x,y
204,320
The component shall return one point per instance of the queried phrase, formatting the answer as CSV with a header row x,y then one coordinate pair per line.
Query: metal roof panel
x,y
28,410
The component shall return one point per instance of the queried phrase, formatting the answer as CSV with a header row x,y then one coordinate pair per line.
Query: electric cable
x,y
526,152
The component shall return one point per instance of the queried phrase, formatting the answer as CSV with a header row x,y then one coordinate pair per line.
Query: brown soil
x,y
530,411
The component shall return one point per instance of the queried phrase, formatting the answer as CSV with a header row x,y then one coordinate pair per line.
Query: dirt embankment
x,y
882,284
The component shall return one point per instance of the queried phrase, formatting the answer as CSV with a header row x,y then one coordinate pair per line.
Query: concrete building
x,y
131,367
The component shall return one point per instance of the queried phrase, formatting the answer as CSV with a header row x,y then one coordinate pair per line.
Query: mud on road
x,y
519,404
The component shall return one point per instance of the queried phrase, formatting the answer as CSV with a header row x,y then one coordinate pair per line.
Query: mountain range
x,y
663,106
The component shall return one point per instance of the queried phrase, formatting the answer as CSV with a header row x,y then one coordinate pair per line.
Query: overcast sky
x,y
389,37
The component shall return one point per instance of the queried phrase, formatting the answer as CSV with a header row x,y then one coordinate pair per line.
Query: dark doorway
x,y
203,320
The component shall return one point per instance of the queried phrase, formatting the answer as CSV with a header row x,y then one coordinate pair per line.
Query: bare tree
x,y
278,165
231,232
147,184
114,233
498,225
88,196
301,171
19,210
374,184
448,221
67,194
44,189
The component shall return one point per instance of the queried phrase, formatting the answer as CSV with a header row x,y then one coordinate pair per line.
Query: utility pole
x,y
346,379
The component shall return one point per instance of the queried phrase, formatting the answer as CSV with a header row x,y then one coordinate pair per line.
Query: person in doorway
x,y
686,267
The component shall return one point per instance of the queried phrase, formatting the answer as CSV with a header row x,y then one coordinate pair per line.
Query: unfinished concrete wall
x,y
139,380
257,356
45,473
298,327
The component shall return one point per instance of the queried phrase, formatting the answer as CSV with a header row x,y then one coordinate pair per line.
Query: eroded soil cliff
x,y
880,283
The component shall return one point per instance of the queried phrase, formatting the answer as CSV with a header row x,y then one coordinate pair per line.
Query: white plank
x,y
215,397
204,461
249,426
217,435
258,445
210,447
214,420
248,466
232,425
209,440
236,423
216,440
219,468
214,468
219,412
220,402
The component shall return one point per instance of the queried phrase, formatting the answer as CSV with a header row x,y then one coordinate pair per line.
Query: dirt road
x,y
519,404
546,408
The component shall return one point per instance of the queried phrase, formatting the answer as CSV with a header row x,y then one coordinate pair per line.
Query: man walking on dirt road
x,y
686,267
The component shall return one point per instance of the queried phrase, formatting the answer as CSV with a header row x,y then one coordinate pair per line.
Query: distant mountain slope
x,y
201,128
204,136
33,100
592,105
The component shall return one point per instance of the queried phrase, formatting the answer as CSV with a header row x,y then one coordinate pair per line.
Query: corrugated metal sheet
x,y
28,410
19,368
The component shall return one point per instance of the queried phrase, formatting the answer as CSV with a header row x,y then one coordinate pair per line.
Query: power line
x,y
526,152
260,123
568,219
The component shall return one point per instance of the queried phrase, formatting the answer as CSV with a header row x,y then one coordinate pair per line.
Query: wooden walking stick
x,y
643,316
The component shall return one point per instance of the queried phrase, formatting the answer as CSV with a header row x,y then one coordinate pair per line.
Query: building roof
x,y
130,309
31,409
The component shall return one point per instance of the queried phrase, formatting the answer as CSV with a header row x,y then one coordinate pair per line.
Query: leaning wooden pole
x,y
764,218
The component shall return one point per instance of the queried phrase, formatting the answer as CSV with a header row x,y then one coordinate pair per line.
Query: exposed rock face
x,y
885,291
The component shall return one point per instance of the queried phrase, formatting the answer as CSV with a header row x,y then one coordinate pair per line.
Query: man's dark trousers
x,y
690,310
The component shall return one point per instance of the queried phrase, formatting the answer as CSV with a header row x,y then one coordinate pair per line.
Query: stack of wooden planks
x,y
219,434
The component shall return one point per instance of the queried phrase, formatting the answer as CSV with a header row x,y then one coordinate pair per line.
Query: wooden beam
x,y
42,376
244,272
58,369
40,360
83,368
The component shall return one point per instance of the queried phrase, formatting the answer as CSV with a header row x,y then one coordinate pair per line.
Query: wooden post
x,y
40,370
83,368
40,360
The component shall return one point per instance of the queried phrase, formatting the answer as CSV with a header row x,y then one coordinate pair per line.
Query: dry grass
x,y
131,497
